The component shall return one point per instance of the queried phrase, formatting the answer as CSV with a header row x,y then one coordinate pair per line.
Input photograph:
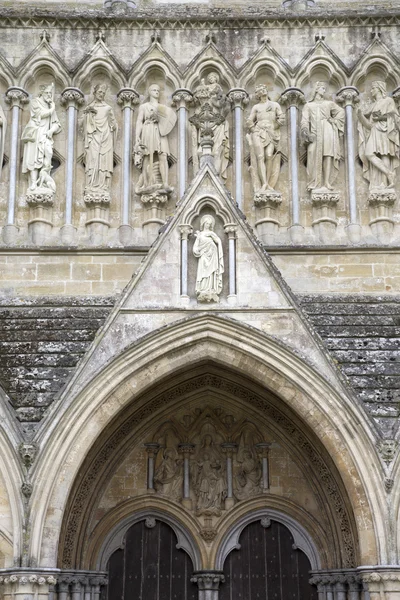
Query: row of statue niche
x,y
322,126
208,476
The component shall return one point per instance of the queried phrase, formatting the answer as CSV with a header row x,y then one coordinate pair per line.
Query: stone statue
x,y
168,477
38,140
379,140
3,130
155,121
100,133
208,249
248,476
322,124
210,482
264,123
211,119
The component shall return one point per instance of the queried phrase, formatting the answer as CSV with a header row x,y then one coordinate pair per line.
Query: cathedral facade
x,y
199,300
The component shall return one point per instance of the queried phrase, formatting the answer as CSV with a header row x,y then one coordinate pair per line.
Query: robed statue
x,y
208,249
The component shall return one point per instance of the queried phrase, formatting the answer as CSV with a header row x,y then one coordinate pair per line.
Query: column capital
x,y
238,97
208,580
185,230
128,98
17,96
72,96
186,448
348,96
229,448
292,96
182,97
263,448
152,448
230,230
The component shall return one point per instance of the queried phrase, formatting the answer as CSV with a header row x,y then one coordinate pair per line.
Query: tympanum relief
x,y
208,250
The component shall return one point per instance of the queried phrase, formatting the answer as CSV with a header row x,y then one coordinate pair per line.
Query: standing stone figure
x,y
248,476
208,249
168,477
38,140
210,483
3,129
379,139
100,133
155,121
322,125
264,123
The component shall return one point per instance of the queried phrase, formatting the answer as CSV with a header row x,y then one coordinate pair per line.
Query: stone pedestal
x,y
154,203
267,205
381,202
10,234
353,231
68,235
324,203
40,202
125,235
296,233
97,222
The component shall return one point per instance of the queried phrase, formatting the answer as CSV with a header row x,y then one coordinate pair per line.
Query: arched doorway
x,y
150,566
267,565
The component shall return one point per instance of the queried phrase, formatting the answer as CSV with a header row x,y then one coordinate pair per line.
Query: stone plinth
x,y
267,205
98,209
40,202
324,203
381,202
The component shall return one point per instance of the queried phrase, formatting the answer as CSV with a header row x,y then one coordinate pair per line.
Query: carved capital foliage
x,y
72,96
152,449
40,197
94,198
385,197
238,97
230,230
324,198
128,98
267,198
292,97
16,96
186,231
208,580
27,578
348,96
158,197
182,97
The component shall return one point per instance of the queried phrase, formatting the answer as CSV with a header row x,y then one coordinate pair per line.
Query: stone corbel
x,y
231,232
181,98
17,98
239,99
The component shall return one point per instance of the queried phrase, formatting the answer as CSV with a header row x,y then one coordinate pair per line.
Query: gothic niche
x,y
208,461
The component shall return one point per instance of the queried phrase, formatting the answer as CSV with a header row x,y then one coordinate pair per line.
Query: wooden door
x,y
150,567
266,567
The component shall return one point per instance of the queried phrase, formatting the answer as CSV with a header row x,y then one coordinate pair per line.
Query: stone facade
x,y
199,312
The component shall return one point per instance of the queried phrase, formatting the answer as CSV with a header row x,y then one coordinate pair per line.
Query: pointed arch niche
x,y
192,414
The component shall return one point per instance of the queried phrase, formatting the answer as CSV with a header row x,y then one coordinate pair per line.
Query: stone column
x,y
239,99
349,97
152,449
127,98
230,230
229,448
181,98
185,230
263,450
72,98
293,98
208,582
16,97
186,450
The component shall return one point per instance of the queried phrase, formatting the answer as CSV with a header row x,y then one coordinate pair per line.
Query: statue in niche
x,y
168,477
213,104
322,125
100,133
3,130
38,141
154,123
208,249
379,139
265,122
209,479
248,476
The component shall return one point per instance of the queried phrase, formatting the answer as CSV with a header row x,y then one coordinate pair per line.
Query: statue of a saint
x,y
38,140
264,123
322,124
3,130
208,249
248,476
100,133
379,140
210,483
168,477
154,122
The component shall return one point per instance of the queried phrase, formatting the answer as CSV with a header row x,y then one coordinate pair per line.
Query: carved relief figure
x,y
379,140
210,483
38,140
100,134
168,477
208,249
264,123
212,101
155,121
3,129
322,125
248,477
